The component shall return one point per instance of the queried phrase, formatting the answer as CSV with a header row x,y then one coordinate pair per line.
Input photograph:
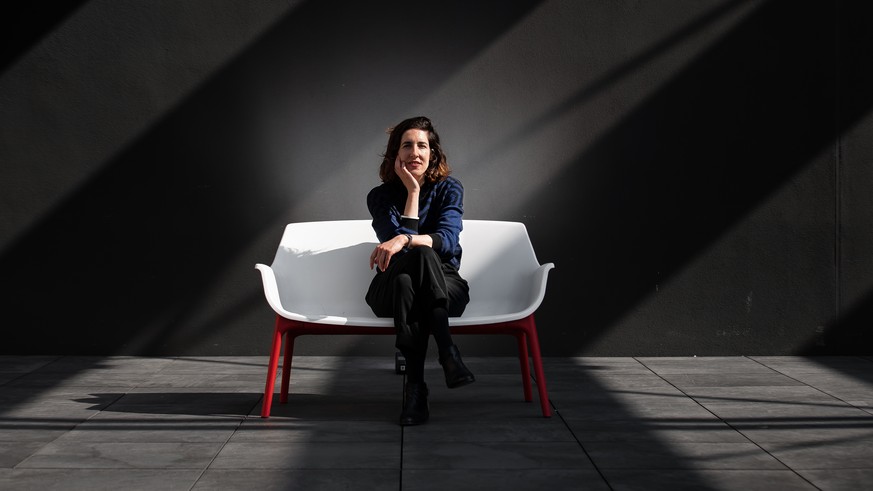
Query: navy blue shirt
x,y
440,212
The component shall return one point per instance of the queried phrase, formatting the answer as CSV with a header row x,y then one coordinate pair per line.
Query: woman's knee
x,y
401,283
424,253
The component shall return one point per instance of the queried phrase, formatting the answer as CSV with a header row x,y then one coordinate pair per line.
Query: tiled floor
x,y
747,423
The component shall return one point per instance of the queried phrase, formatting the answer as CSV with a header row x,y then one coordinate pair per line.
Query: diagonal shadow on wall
x,y
135,249
686,166
25,23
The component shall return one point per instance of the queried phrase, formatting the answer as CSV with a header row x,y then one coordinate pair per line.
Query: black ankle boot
x,y
415,408
457,374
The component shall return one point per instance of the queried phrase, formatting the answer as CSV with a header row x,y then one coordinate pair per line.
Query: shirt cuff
x,y
409,223
437,241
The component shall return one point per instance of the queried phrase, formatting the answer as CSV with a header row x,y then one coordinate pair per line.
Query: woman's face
x,y
414,153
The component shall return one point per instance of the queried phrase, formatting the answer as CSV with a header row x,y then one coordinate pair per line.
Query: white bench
x,y
320,274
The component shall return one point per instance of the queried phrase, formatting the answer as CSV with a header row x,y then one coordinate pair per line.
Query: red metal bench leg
x,y
524,330
534,341
271,372
525,366
286,366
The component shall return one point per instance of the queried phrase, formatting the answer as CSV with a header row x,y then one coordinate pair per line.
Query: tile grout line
x,y
847,403
24,374
400,477
728,424
173,359
833,396
576,438
798,474
402,431
224,444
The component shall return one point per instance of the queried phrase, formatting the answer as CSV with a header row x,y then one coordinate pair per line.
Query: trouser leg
x,y
414,365
437,322
420,293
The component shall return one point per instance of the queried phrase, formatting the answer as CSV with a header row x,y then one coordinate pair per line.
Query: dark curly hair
x,y
437,169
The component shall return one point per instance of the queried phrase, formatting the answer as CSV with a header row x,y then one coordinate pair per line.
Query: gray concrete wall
x,y
698,171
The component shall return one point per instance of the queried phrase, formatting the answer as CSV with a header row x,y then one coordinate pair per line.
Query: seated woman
x,y
417,213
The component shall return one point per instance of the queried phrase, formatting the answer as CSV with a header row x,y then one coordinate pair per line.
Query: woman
x,y
417,214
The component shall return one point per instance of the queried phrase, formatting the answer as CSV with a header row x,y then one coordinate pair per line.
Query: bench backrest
x,y
322,267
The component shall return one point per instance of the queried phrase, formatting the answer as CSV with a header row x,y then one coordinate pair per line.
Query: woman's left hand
x,y
383,252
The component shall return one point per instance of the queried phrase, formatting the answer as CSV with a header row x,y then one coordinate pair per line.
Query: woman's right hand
x,y
382,254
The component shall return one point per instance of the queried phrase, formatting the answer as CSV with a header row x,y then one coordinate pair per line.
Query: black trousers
x,y
414,285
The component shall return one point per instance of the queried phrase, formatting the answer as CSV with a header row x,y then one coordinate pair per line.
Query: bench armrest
x,y
271,288
538,287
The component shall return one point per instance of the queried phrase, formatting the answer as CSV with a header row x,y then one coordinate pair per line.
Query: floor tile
x,y
704,365
617,411
13,432
96,479
370,387
10,426
484,411
795,394
661,432
727,379
795,365
488,387
105,364
217,364
99,397
222,380
24,364
839,479
498,430
850,391
485,365
603,381
680,455
309,455
828,454
109,427
593,365
509,479
8,377
697,479
807,430
281,430
196,403
332,407
48,414
628,396
12,453
504,455
773,412
45,379
103,455
282,480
